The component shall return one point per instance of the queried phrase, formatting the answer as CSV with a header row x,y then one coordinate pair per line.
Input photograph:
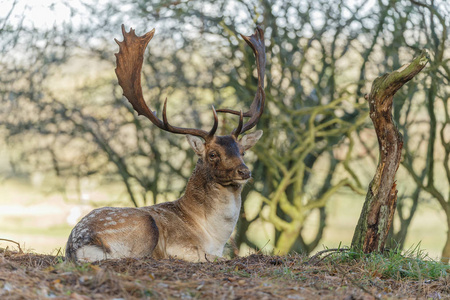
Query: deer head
x,y
222,155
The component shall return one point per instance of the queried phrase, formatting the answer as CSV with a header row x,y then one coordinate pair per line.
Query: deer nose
x,y
244,172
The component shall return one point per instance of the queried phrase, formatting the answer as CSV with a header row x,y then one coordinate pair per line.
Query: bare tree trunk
x,y
379,207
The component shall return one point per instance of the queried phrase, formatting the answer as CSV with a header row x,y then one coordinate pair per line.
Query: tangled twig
x,y
329,251
11,241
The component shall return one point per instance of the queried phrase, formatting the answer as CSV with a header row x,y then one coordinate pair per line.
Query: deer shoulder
x,y
200,222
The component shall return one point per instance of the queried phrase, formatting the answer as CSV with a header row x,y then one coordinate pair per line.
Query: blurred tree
x,y
86,129
431,172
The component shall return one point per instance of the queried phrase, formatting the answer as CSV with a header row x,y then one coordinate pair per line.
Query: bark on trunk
x,y
379,207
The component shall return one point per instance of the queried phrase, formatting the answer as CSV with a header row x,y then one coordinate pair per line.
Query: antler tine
x,y
256,42
165,122
216,123
129,62
238,130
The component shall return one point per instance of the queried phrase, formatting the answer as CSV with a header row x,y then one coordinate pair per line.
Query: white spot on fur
x,y
108,218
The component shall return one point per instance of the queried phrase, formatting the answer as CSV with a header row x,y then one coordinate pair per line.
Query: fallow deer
x,y
197,225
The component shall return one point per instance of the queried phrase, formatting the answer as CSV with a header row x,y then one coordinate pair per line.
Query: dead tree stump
x,y
379,207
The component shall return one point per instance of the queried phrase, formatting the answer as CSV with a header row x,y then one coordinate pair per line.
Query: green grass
x,y
413,263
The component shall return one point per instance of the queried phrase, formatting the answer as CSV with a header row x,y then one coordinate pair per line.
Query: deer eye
x,y
243,153
212,155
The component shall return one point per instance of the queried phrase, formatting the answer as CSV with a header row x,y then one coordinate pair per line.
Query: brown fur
x,y
193,227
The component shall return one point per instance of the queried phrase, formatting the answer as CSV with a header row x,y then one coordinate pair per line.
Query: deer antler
x,y
129,65
256,42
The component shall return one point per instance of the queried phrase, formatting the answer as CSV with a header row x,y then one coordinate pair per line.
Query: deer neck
x,y
214,207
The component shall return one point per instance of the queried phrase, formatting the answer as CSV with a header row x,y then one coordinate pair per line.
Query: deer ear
x,y
250,140
196,144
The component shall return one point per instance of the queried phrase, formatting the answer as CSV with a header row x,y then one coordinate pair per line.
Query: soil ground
x,y
258,276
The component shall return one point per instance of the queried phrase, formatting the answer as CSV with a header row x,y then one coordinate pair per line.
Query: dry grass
x,y
34,276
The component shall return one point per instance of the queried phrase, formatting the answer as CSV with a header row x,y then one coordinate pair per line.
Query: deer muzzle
x,y
243,172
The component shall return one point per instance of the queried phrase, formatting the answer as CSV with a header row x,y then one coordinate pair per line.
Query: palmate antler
x,y
256,42
129,65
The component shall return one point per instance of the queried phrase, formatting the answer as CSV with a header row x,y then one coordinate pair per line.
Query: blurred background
x,y
69,141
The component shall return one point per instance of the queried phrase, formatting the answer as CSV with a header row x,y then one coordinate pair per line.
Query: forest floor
x,y
258,276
